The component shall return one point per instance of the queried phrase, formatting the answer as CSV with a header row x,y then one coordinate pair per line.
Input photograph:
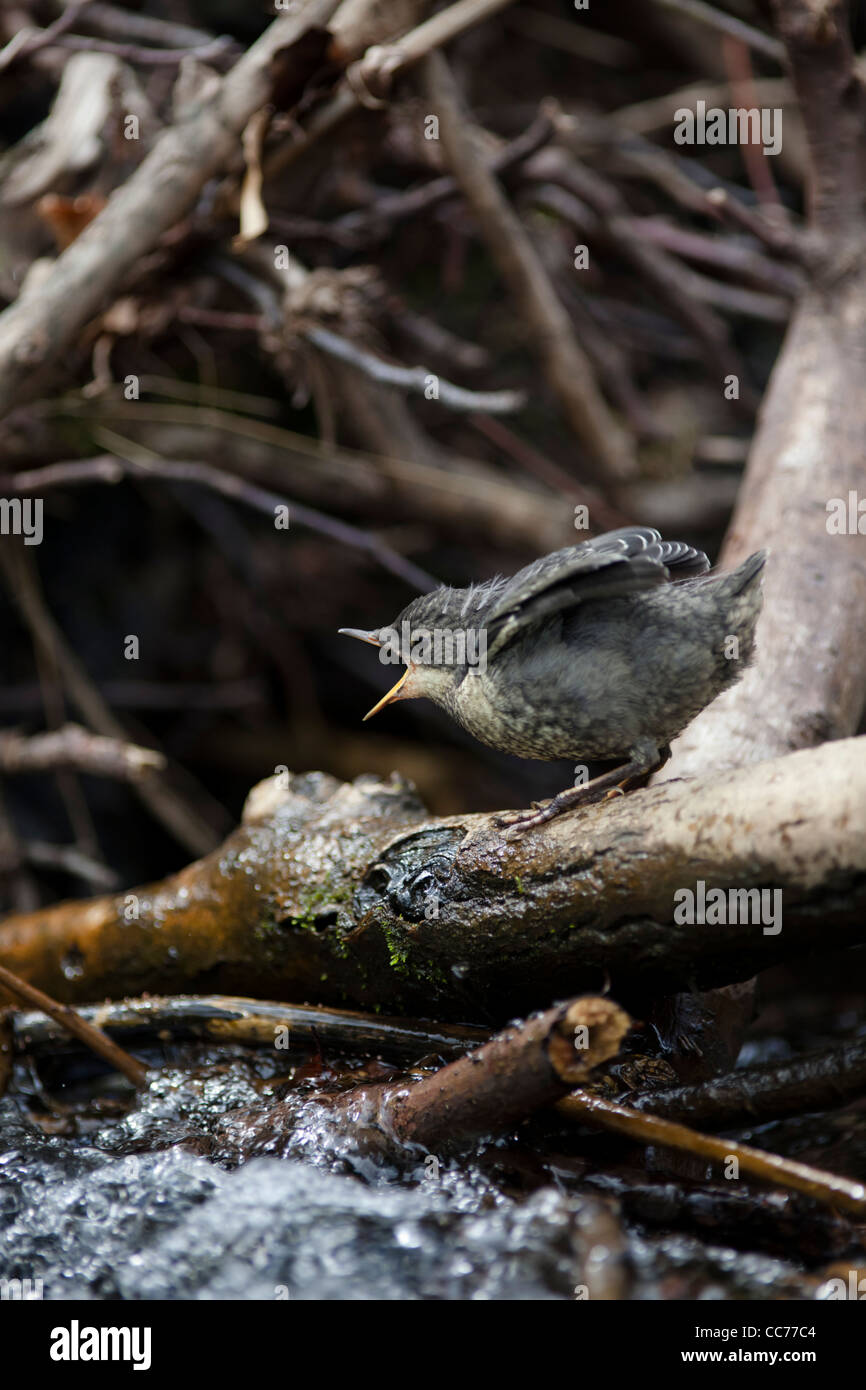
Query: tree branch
x,y
808,682
349,893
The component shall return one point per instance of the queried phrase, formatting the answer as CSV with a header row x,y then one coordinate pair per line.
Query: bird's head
x,y
431,639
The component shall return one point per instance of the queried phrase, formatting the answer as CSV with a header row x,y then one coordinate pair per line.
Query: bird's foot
x,y
604,788
516,823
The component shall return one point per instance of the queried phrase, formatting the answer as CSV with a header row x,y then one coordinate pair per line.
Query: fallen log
x,y
336,893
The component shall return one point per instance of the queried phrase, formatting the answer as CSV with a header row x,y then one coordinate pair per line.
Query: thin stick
x,y
414,379
650,1129
110,468
814,1081
381,214
73,746
219,47
726,24
98,1042
72,860
255,1022
757,164
28,41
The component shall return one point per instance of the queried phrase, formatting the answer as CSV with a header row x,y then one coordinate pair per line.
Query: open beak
x,y
386,699
373,639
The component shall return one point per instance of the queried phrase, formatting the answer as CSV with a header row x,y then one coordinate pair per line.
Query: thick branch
x,y
336,893
808,682
817,37
40,327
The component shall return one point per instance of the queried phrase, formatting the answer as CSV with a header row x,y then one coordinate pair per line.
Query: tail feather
x,y
742,577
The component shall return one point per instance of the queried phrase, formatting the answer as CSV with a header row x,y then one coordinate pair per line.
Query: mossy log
x,y
346,893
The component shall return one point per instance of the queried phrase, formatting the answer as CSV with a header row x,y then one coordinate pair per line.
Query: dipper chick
x,y
604,651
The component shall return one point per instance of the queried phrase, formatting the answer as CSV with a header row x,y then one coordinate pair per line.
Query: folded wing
x,y
609,566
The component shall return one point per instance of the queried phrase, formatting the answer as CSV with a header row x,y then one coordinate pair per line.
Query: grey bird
x,y
604,651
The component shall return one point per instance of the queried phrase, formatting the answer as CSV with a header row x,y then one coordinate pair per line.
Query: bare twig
x,y
103,1046
28,41
136,53
414,379
380,66
73,746
685,290
768,1167
144,463
254,1022
71,860
730,254
608,50
758,165
660,270
111,20
493,1088
605,516
385,211
468,495
778,237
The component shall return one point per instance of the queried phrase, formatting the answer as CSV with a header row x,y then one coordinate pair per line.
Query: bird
x,y
602,651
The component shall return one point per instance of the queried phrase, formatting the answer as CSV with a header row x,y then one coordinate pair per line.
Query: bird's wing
x,y
609,566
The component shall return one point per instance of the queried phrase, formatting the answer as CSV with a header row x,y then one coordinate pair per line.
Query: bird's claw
x,y
517,823
534,816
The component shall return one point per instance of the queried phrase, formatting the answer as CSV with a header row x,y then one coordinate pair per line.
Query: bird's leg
x,y
643,762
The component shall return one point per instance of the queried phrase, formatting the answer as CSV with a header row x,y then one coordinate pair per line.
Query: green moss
x,y
323,900
266,930
398,948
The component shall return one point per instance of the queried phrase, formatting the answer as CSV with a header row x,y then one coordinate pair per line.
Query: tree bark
x,y
346,893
